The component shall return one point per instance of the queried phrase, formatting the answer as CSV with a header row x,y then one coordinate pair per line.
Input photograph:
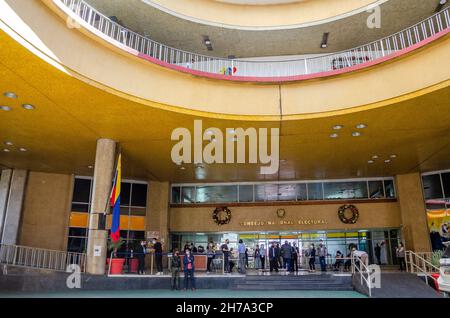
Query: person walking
x,y
175,267
287,254
322,253
294,261
210,253
157,246
226,256
257,257
312,258
189,268
241,250
400,252
262,255
274,256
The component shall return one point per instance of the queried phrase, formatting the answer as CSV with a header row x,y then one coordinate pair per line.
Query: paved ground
x,y
205,293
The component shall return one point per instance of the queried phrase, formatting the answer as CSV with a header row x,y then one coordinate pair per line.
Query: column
x,y
101,188
14,206
5,180
158,211
413,212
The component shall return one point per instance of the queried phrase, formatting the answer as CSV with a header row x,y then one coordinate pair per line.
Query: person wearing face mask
x,y
188,265
141,251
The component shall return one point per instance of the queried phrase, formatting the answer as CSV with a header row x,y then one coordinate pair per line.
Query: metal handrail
x,y
87,16
417,263
360,267
32,257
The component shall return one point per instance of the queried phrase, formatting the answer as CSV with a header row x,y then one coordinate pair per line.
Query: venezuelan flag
x,y
115,203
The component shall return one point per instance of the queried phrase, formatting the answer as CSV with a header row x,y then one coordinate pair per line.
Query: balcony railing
x,y
88,17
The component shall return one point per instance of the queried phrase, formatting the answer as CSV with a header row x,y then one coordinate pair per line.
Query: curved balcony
x,y
363,56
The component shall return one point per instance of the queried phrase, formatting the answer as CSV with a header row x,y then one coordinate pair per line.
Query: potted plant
x,y
116,263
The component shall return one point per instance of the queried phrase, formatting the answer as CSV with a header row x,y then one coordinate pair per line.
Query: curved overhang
x,y
97,62
275,16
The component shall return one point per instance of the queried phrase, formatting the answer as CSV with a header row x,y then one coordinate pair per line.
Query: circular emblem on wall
x,y
348,214
222,215
281,213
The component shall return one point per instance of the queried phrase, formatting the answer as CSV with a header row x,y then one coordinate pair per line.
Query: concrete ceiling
x,y
60,134
188,35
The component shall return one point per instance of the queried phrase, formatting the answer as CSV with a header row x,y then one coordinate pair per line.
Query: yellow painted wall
x,y
301,12
104,66
45,214
372,215
157,218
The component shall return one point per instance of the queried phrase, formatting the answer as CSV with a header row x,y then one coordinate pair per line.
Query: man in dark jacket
x,y
274,254
140,253
158,256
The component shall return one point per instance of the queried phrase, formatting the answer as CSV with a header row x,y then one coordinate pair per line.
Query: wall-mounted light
x,y
324,43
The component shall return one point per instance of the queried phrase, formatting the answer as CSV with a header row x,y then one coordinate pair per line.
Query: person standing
x,y
141,251
188,265
378,253
262,255
287,254
322,252
295,252
175,267
210,252
241,250
226,256
257,257
157,246
274,256
280,256
400,251
312,258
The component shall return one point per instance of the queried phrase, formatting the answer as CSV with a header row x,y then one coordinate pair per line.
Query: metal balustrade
x,y
31,257
88,17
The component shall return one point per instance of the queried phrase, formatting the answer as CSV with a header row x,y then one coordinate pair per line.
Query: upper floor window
x,y
378,188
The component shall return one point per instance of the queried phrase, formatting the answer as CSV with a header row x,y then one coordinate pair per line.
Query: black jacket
x,y
274,252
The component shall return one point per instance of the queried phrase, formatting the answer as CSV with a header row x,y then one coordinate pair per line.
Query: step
x,y
307,287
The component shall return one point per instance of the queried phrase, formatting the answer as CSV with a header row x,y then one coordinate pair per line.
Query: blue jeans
x,y
287,264
189,276
323,264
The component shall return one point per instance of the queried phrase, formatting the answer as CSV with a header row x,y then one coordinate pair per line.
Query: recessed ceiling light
x,y
22,149
370,161
375,157
8,143
361,126
90,167
356,134
6,150
5,108
182,168
393,156
387,161
337,127
10,95
28,106
334,135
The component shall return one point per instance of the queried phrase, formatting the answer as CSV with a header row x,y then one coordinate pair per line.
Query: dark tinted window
x,y
432,186
446,184
315,191
81,190
389,189
376,189
139,195
125,193
176,195
245,193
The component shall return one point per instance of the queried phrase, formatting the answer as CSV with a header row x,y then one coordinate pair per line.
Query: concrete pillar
x,y
158,211
413,212
101,189
14,207
5,180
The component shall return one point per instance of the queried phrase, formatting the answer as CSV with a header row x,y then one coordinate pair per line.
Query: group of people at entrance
x,y
285,257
